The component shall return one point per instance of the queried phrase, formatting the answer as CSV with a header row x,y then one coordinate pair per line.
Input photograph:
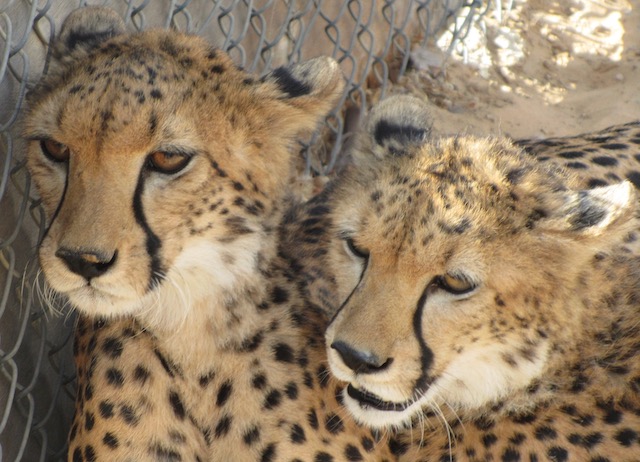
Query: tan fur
x,y
196,340
539,361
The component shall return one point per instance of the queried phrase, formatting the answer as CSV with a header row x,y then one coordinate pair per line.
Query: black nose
x,y
361,362
86,263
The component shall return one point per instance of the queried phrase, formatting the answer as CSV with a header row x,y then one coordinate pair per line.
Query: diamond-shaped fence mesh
x,y
371,39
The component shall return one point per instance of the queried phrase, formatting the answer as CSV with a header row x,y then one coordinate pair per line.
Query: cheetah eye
x,y
54,151
455,284
167,162
354,250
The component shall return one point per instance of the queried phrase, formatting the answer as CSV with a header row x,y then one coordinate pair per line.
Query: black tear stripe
x,y
426,355
364,270
289,84
153,242
55,214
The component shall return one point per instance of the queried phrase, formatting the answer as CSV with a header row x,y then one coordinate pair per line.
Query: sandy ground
x,y
547,68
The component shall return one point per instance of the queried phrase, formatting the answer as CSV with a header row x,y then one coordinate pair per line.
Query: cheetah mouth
x,y
369,400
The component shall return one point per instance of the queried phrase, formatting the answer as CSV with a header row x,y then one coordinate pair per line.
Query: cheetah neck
x,y
217,305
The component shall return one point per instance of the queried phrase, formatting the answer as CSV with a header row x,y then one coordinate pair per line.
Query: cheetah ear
x,y
309,90
603,211
394,127
83,31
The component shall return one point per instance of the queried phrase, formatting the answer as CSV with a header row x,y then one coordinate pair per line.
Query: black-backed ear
x,y
309,90
605,211
83,31
394,127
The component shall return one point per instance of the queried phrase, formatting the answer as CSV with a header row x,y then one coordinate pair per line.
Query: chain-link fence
x,y
371,39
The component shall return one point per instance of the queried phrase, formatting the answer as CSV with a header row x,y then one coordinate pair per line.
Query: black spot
x,y
128,415
596,183
312,418
252,344
557,454
291,390
216,69
251,436
611,415
223,393
484,423
626,437
544,432
518,439
279,295
587,441
89,421
206,379
323,457
489,439
110,440
289,84
238,186
511,455
141,374
579,383
88,392
112,347
106,409
165,454
153,122
576,165
77,455
89,454
606,161
156,94
297,434
352,453
269,453
283,353
367,444
176,405
571,154
75,89
273,399
323,376
515,176
223,427
308,379
333,424
259,381
614,146
397,447
139,94
114,377
376,195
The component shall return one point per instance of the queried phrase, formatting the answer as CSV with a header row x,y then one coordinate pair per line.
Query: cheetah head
x,y
460,263
161,165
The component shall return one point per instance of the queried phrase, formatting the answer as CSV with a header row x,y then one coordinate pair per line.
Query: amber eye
x,y
455,284
57,152
167,162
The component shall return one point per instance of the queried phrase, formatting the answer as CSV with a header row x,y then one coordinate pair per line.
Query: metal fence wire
x,y
371,39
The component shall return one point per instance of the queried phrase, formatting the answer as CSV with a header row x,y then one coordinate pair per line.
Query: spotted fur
x,y
163,172
487,307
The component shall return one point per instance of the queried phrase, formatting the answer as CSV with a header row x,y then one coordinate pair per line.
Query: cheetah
x,y
163,171
490,303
